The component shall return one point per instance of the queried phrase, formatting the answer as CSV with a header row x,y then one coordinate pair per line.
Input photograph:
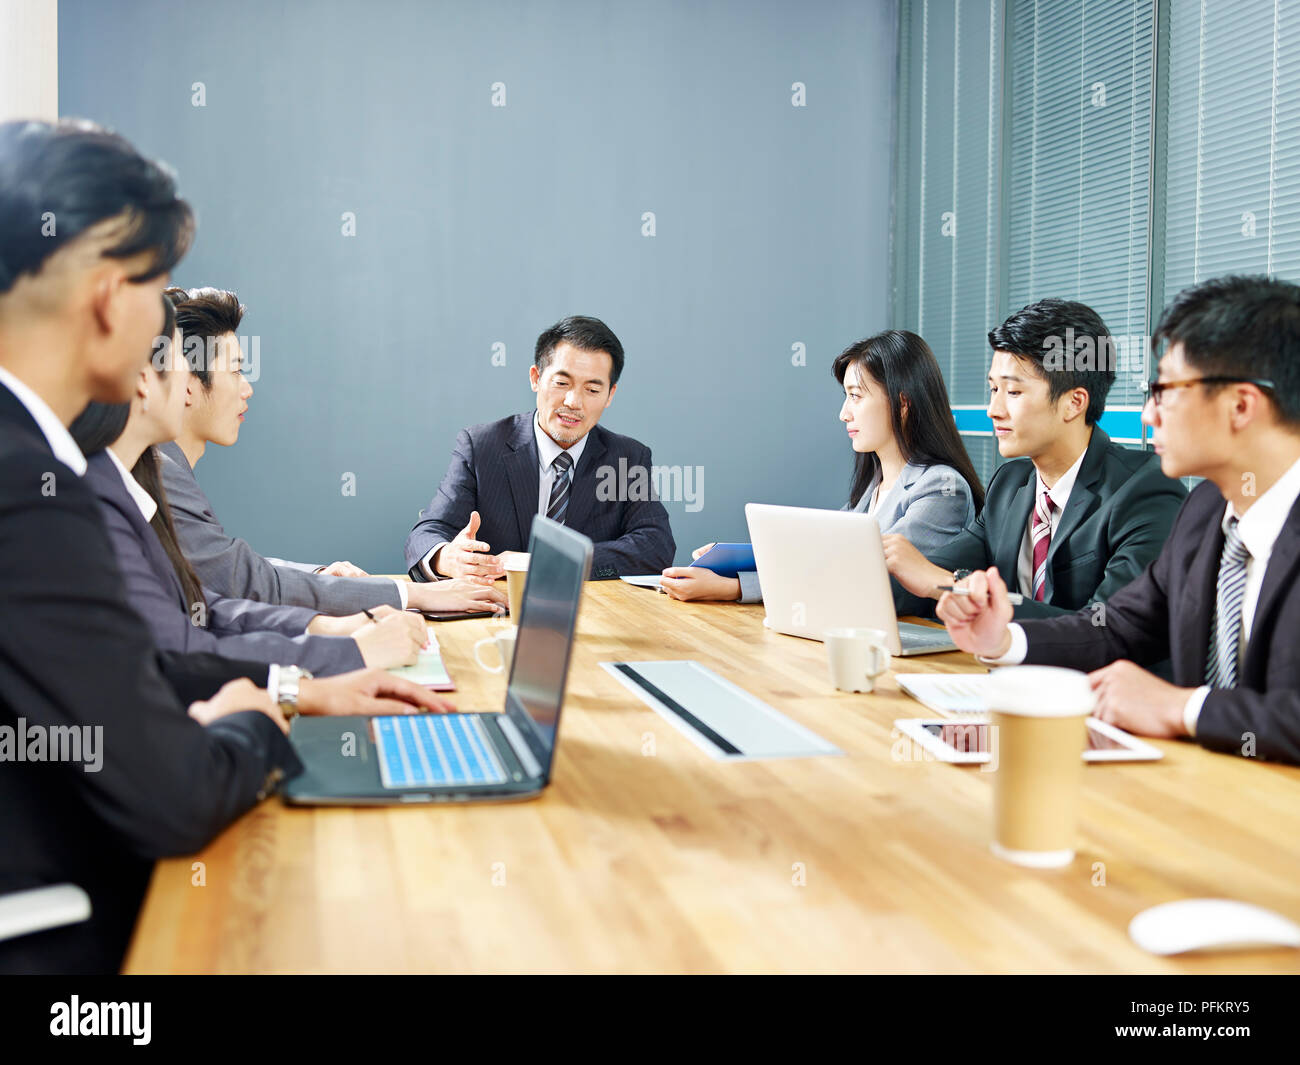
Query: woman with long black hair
x,y
911,470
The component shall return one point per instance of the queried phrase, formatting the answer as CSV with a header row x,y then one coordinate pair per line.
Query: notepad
x,y
427,671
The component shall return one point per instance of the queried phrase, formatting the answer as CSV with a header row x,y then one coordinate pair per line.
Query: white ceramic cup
x,y
504,639
857,657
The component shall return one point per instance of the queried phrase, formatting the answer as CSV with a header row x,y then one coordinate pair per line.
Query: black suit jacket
x,y
72,653
1166,612
1119,513
494,470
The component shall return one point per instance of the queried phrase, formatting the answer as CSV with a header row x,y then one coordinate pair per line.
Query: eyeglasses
x,y
1156,389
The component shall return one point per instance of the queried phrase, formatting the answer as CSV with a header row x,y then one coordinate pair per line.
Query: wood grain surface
x,y
646,855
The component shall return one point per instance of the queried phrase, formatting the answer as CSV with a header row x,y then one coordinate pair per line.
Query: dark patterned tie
x,y
560,485
1225,627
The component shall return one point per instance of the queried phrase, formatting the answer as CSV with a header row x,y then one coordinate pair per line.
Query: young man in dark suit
x,y
1222,600
1074,517
555,460
111,753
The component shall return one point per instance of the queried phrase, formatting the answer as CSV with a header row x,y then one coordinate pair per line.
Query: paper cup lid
x,y
1040,691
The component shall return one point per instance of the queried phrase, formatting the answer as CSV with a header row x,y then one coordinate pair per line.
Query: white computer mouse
x,y
1211,924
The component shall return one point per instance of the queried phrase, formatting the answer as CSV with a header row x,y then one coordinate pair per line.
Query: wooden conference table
x,y
646,855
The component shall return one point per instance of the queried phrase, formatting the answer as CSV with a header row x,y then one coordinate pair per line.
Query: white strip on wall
x,y
29,59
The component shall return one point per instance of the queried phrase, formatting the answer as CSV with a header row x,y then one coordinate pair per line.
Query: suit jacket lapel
x,y
891,504
522,473
1280,575
1082,501
582,495
191,496
1192,616
157,554
21,420
104,480
1006,552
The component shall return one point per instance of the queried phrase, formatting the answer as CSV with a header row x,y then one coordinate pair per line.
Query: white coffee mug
x,y
504,639
857,657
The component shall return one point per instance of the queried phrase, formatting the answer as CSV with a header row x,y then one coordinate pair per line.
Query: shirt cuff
x,y
426,563
1015,654
1192,709
402,592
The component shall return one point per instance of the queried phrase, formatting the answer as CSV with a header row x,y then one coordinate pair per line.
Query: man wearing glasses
x,y
1222,600
554,460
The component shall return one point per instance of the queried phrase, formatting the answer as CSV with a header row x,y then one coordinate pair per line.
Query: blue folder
x,y
727,560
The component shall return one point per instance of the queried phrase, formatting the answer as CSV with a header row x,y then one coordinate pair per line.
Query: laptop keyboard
x,y
435,750
912,636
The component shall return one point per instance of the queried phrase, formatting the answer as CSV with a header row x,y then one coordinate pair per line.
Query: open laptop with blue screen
x,y
463,757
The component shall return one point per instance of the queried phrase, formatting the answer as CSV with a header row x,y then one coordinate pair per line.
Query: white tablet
x,y
965,741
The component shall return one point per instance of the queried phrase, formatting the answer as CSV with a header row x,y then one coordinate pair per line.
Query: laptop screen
x,y
559,563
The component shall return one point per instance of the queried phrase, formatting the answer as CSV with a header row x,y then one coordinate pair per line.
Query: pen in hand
x,y
1014,598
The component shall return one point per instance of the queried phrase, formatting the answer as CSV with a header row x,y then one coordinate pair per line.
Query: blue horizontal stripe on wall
x,y
1122,424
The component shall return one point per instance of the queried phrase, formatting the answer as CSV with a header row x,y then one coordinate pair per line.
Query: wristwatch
x,y
282,683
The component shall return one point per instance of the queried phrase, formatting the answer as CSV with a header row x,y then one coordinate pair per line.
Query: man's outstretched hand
x,y
469,557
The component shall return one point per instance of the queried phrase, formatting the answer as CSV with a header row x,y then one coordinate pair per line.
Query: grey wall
x,y
479,224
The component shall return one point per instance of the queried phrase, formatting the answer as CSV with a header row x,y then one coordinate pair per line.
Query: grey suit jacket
x,y
230,567
236,628
927,504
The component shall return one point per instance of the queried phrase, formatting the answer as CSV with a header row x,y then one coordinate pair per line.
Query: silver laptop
x,y
825,569
464,757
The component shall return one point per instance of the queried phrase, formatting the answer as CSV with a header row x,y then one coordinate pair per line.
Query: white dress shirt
x,y
60,440
875,502
1259,529
143,500
1060,496
547,451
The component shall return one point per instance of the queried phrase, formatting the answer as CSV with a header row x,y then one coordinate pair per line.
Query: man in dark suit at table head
x,y
1074,516
1222,600
555,460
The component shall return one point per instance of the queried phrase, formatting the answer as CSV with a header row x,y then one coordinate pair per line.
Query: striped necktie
x,y
560,485
1040,536
1225,628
